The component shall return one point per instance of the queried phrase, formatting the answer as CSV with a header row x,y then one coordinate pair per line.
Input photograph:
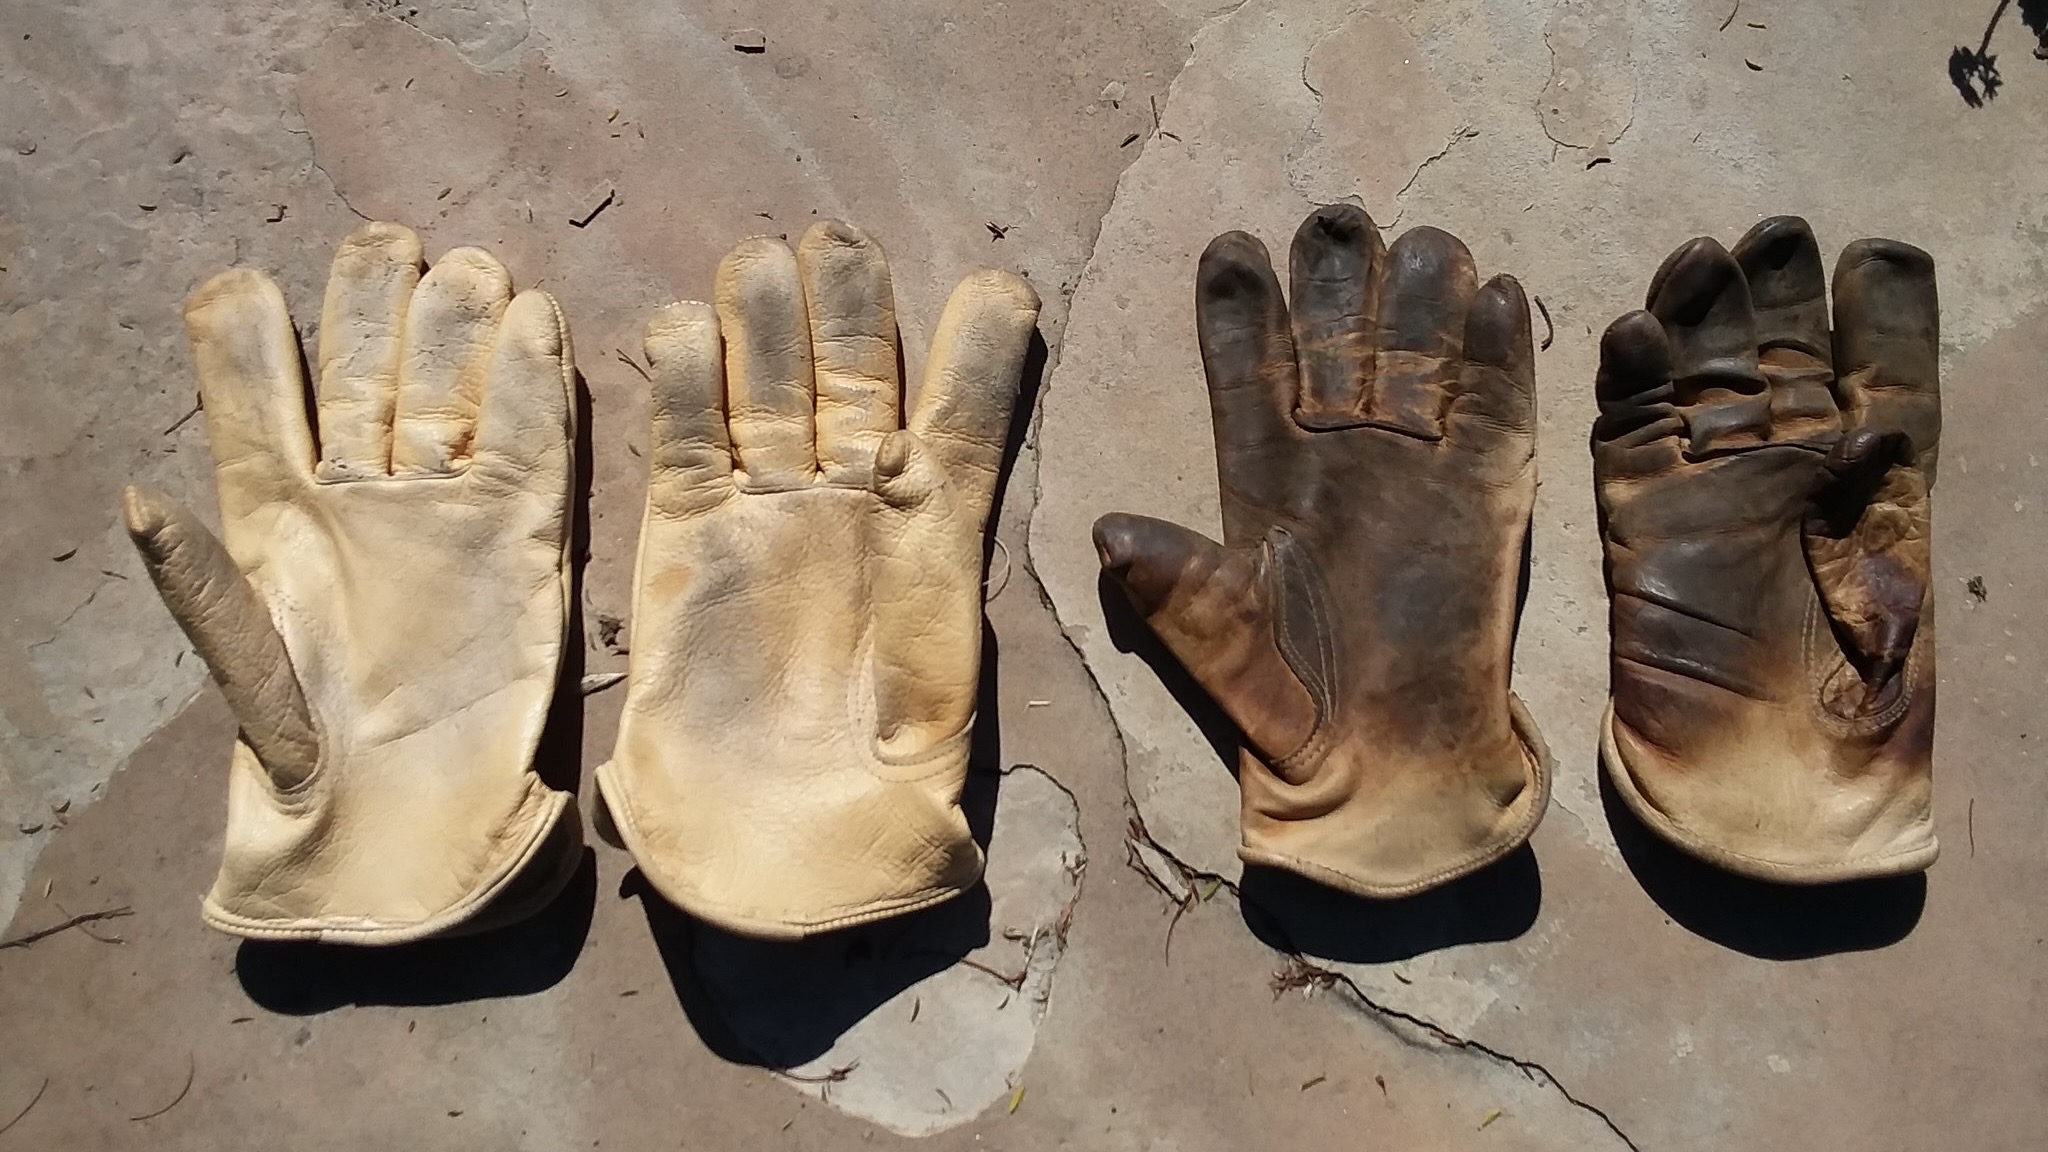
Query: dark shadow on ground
x,y
1296,915
1761,919
779,1004
300,978
1974,71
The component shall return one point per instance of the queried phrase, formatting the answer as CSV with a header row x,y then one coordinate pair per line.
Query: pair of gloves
x,y
1763,483
387,614
387,607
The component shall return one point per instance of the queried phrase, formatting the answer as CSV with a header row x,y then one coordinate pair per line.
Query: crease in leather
x,y
1535,797
1915,855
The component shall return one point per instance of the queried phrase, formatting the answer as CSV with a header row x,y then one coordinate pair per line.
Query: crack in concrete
x,y
1303,972
1462,132
1536,106
57,630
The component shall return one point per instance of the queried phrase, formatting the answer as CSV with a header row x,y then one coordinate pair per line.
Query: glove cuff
x,y
1366,845
1842,828
889,849
526,867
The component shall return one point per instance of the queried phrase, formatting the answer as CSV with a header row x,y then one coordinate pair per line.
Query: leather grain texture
x,y
1763,472
1375,435
807,623
386,605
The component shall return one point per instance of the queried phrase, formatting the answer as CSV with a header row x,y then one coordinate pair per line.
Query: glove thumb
x,y
231,630
1866,538
1213,609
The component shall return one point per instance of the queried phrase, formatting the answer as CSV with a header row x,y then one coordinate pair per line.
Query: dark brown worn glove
x,y
1763,495
1376,452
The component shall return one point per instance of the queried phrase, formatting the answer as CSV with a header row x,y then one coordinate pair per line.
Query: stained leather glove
x,y
386,616
1375,446
806,635
1763,487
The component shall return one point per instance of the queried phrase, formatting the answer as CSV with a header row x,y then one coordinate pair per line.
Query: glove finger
x,y
1637,420
526,419
449,325
927,646
252,388
1424,295
1780,260
1888,343
1497,397
1248,357
1701,298
770,396
231,630
689,459
1211,608
971,379
853,347
1867,544
1788,293
362,325
1334,268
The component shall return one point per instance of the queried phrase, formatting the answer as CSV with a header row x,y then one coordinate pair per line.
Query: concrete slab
x,y
1593,992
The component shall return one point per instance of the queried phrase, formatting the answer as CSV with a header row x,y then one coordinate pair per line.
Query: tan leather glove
x,y
1763,490
387,615
1376,451
807,622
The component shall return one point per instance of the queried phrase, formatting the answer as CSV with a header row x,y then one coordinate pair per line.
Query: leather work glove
x,y
806,635
1375,446
1763,488
387,611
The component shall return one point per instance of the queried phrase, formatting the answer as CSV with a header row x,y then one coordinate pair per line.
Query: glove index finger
x,y
1888,343
252,388
972,377
1248,355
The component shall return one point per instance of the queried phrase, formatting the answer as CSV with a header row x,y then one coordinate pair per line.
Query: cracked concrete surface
x,y
1593,992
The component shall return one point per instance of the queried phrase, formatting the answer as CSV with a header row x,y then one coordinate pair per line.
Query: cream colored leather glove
x,y
387,615
807,624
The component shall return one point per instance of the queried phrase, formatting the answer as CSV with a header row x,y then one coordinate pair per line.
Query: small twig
x,y
829,1076
73,922
191,1069
25,1108
628,362
1308,1084
1015,982
197,406
1156,130
86,930
595,682
1731,15
1972,821
1178,912
995,587
1549,329
1300,974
